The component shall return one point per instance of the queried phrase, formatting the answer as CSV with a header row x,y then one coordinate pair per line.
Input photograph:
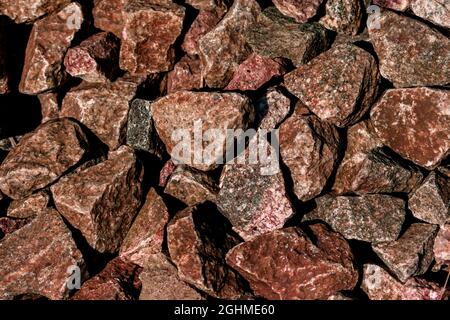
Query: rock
x,y
372,218
309,148
161,282
343,16
339,86
9,225
208,4
29,207
149,33
275,36
49,106
256,71
198,242
431,201
408,60
378,284
96,59
441,247
119,280
103,108
435,11
42,157
27,11
103,200
398,5
108,15
367,167
299,269
49,41
191,186
301,11
4,58
186,75
412,254
272,109
189,116
146,235
166,172
401,124
36,258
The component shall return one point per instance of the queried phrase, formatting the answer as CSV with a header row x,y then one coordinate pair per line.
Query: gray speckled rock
x,y
343,16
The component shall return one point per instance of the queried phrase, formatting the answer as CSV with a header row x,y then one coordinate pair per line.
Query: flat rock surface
x,y
435,11
30,206
301,11
186,75
27,11
108,15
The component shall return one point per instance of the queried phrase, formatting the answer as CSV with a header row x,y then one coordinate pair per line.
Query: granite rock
x,y
186,75
441,247
398,5
9,225
272,109
109,15
49,106
166,172
343,16
28,11
4,58
301,11
30,206
435,11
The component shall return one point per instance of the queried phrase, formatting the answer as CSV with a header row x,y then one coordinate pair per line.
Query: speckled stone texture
x,y
4,59
9,225
441,247
30,206
27,11
46,252
371,218
42,157
108,15
48,43
422,137
186,75
412,254
343,16
338,86
147,233
398,5
272,108
435,11
406,59
300,269
165,173
300,10
49,106
103,200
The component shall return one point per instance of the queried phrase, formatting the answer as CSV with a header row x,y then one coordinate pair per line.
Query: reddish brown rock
x,y
42,157
108,15
103,108
367,167
36,258
96,59
49,106
408,60
27,11
309,148
272,109
146,235
150,30
343,16
401,123
301,11
119,280
103,200
299,269
371,218
441,247
339,86
431,201
435,11
29,207
225,47
412,254
254,72
160,281
186,75
4,58
49,41
378,284
198,242
9,225
398,5
165,173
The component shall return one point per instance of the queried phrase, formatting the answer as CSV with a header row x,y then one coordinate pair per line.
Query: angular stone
x,y
29,207
150,31
96,59
339,86
343,16
36,258
160,281
146,235
194,113
103,108
49,41
398,5
309,148
378,284
119,280
49,106
198,242
27,11
436,11
186,75
276,36
272,109
4,58
103,200
166,172
108,16
368,168
408,60
371,218
441,247
225,47
42,157
9,225
301,11
208,4
412,254
431,201
256,71
401,123
300,269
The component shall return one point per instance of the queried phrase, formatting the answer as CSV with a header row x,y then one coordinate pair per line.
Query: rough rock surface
x,y
371,218
301,11
42,157
30,206
108,15
441,247
146,235
299,268
165,173
49,41
186,75
27,11
49,106
398,5
422,137
46,252
4,59
102,201
343,16
412,254
272,109
9,225
436,11
408,60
